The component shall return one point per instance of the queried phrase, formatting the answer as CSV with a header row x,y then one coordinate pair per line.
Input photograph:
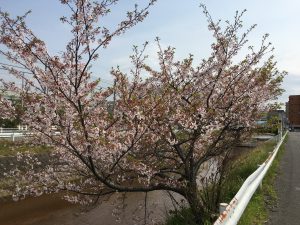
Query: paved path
x,y
288,185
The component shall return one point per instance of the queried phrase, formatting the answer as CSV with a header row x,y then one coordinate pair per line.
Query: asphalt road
x,y
288,185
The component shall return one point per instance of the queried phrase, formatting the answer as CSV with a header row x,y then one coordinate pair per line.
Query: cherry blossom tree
x,y
154,129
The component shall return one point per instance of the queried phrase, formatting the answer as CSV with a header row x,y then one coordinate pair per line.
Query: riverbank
x,y
9,161
265,199
245,162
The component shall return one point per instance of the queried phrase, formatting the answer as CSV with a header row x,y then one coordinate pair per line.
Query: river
x,y
52,210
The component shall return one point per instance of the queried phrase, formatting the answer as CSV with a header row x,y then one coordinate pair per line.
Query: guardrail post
x,y
13,137
222,207
260,184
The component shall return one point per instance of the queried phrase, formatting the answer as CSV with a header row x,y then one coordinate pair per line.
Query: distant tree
x,y
12,118
160,132
271,125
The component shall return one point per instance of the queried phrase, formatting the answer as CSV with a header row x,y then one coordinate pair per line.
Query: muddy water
x,y
52,210
33,210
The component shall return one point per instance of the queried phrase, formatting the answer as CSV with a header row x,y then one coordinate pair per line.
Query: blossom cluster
x,y
141,134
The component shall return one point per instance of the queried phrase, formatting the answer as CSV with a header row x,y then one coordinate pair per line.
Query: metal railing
x,y
13,133
231,213
21,131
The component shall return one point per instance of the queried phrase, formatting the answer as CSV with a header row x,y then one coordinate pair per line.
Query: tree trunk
x,y
195,203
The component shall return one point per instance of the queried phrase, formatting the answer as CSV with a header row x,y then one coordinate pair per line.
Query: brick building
x,y
293,111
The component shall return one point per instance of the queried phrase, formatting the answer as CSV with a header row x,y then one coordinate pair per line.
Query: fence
x,y
13,133
231,213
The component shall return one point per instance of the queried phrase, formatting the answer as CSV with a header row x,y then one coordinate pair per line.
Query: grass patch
x,y
10,148
256,212
8,151
243,167
182,217
6,187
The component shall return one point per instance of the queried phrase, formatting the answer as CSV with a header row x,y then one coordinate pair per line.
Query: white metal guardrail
x,y
235,209
21,131
11,135
13,132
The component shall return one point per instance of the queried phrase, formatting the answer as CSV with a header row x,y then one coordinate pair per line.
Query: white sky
x,y
180,24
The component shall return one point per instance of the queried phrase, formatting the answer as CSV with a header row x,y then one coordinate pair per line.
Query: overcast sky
x,y
180,24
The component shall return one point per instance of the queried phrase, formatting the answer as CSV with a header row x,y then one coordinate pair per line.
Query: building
x,y
293,111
